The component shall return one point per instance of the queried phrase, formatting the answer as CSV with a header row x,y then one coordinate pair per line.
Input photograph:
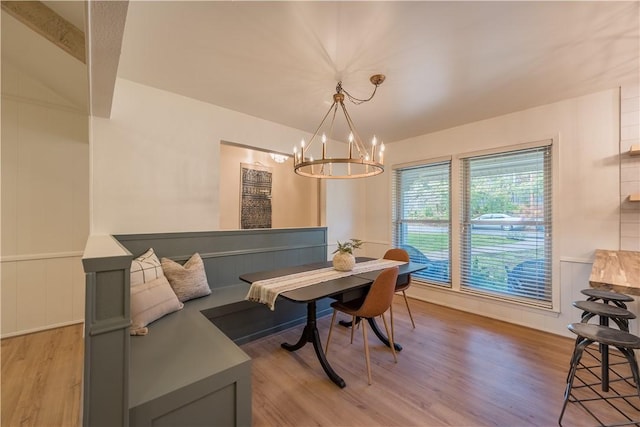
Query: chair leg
x,y
353,327
333,319
366,351
393,331
390,335
406,301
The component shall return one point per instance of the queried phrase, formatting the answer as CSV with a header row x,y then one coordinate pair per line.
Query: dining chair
x,y
398,254
377,301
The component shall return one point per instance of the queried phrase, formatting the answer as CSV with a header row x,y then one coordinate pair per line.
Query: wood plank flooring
x,y
42,378
456,369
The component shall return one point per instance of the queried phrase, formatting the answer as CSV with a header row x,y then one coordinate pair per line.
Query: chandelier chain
x,y
353,99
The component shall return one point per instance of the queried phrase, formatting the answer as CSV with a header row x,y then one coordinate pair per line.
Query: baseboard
x,y
41,328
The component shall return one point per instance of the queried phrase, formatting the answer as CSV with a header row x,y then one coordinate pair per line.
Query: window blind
x,y
506,225
422,218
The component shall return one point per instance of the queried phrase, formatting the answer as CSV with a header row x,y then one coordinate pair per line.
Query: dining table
x,y
346,288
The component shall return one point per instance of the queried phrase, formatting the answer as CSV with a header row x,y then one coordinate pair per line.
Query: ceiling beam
x,y
47,23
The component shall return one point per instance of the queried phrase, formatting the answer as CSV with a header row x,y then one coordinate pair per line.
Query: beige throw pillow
x,y
189,280
150,301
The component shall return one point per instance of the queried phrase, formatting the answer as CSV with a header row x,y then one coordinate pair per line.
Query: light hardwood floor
x,y
42,378
456,369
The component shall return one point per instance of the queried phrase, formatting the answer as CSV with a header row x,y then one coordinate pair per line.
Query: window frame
x,y
466,227
554,142
396,224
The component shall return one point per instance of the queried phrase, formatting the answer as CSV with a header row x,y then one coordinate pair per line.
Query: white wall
x,y
155,163
629,167
45,205
586,205
294,199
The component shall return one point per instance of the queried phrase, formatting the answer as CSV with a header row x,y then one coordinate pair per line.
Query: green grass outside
x,y
433,242
490,266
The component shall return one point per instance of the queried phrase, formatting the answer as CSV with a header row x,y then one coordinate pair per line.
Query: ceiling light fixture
x,y
359,161
279,158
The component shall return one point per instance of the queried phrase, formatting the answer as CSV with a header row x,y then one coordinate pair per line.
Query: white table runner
x,y
266,291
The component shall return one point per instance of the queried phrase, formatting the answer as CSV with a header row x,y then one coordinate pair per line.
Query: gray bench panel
x,y
188,370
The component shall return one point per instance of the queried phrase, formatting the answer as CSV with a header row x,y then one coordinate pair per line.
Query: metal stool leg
x,y
575,360
633,363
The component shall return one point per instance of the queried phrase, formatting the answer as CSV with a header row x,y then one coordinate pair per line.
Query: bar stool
x,y
619,315
588,334
607,297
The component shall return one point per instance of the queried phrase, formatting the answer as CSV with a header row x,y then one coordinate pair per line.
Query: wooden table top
x,y
618,271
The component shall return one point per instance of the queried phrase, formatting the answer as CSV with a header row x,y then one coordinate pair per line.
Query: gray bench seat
x,y
183,354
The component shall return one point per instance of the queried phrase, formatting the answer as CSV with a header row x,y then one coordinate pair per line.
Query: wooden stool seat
x,y
602,309
606,296
605,335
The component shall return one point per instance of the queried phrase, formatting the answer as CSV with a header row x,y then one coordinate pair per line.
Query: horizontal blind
x,y
422,218
506,225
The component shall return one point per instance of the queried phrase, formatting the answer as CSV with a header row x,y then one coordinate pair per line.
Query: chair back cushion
x,y
380,295
397,254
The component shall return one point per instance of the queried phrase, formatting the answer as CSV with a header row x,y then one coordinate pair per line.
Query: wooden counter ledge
x,y
618,271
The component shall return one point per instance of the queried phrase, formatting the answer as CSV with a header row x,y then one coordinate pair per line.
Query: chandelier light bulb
x,y
350,137
324,146
374,140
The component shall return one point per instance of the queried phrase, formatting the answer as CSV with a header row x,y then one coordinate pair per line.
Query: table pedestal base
x,y
310,334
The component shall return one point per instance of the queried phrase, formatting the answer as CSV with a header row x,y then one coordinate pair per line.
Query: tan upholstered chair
x,y
375,303
401,255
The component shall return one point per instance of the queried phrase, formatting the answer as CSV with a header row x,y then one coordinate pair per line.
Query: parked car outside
x,y
497,221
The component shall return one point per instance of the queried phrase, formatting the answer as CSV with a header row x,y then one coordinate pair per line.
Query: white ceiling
x,y
44,61
447,63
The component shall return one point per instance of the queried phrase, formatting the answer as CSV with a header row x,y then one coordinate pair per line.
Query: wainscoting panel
x,y
574,276
41,293
9,297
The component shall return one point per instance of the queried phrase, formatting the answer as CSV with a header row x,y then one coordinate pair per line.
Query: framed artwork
x,y
255,196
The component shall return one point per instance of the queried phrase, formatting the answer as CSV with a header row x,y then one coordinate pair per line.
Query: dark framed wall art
x,y
255,196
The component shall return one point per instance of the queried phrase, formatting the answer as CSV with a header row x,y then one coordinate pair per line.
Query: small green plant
x,y
349,246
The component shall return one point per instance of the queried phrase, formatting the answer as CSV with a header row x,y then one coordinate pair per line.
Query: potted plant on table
x,y
343,260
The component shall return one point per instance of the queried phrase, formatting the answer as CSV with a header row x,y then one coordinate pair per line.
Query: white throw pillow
x,y
150,301
189,280
151,294
145,268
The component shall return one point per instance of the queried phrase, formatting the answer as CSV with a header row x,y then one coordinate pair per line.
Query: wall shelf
x,y
634,197
634,150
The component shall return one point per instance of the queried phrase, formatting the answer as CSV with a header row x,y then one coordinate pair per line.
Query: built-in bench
x,y
189,369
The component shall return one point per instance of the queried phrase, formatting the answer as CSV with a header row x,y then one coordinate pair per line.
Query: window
x,y
506,225
422,218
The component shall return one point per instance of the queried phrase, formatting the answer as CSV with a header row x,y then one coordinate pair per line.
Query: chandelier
x,y
356,161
